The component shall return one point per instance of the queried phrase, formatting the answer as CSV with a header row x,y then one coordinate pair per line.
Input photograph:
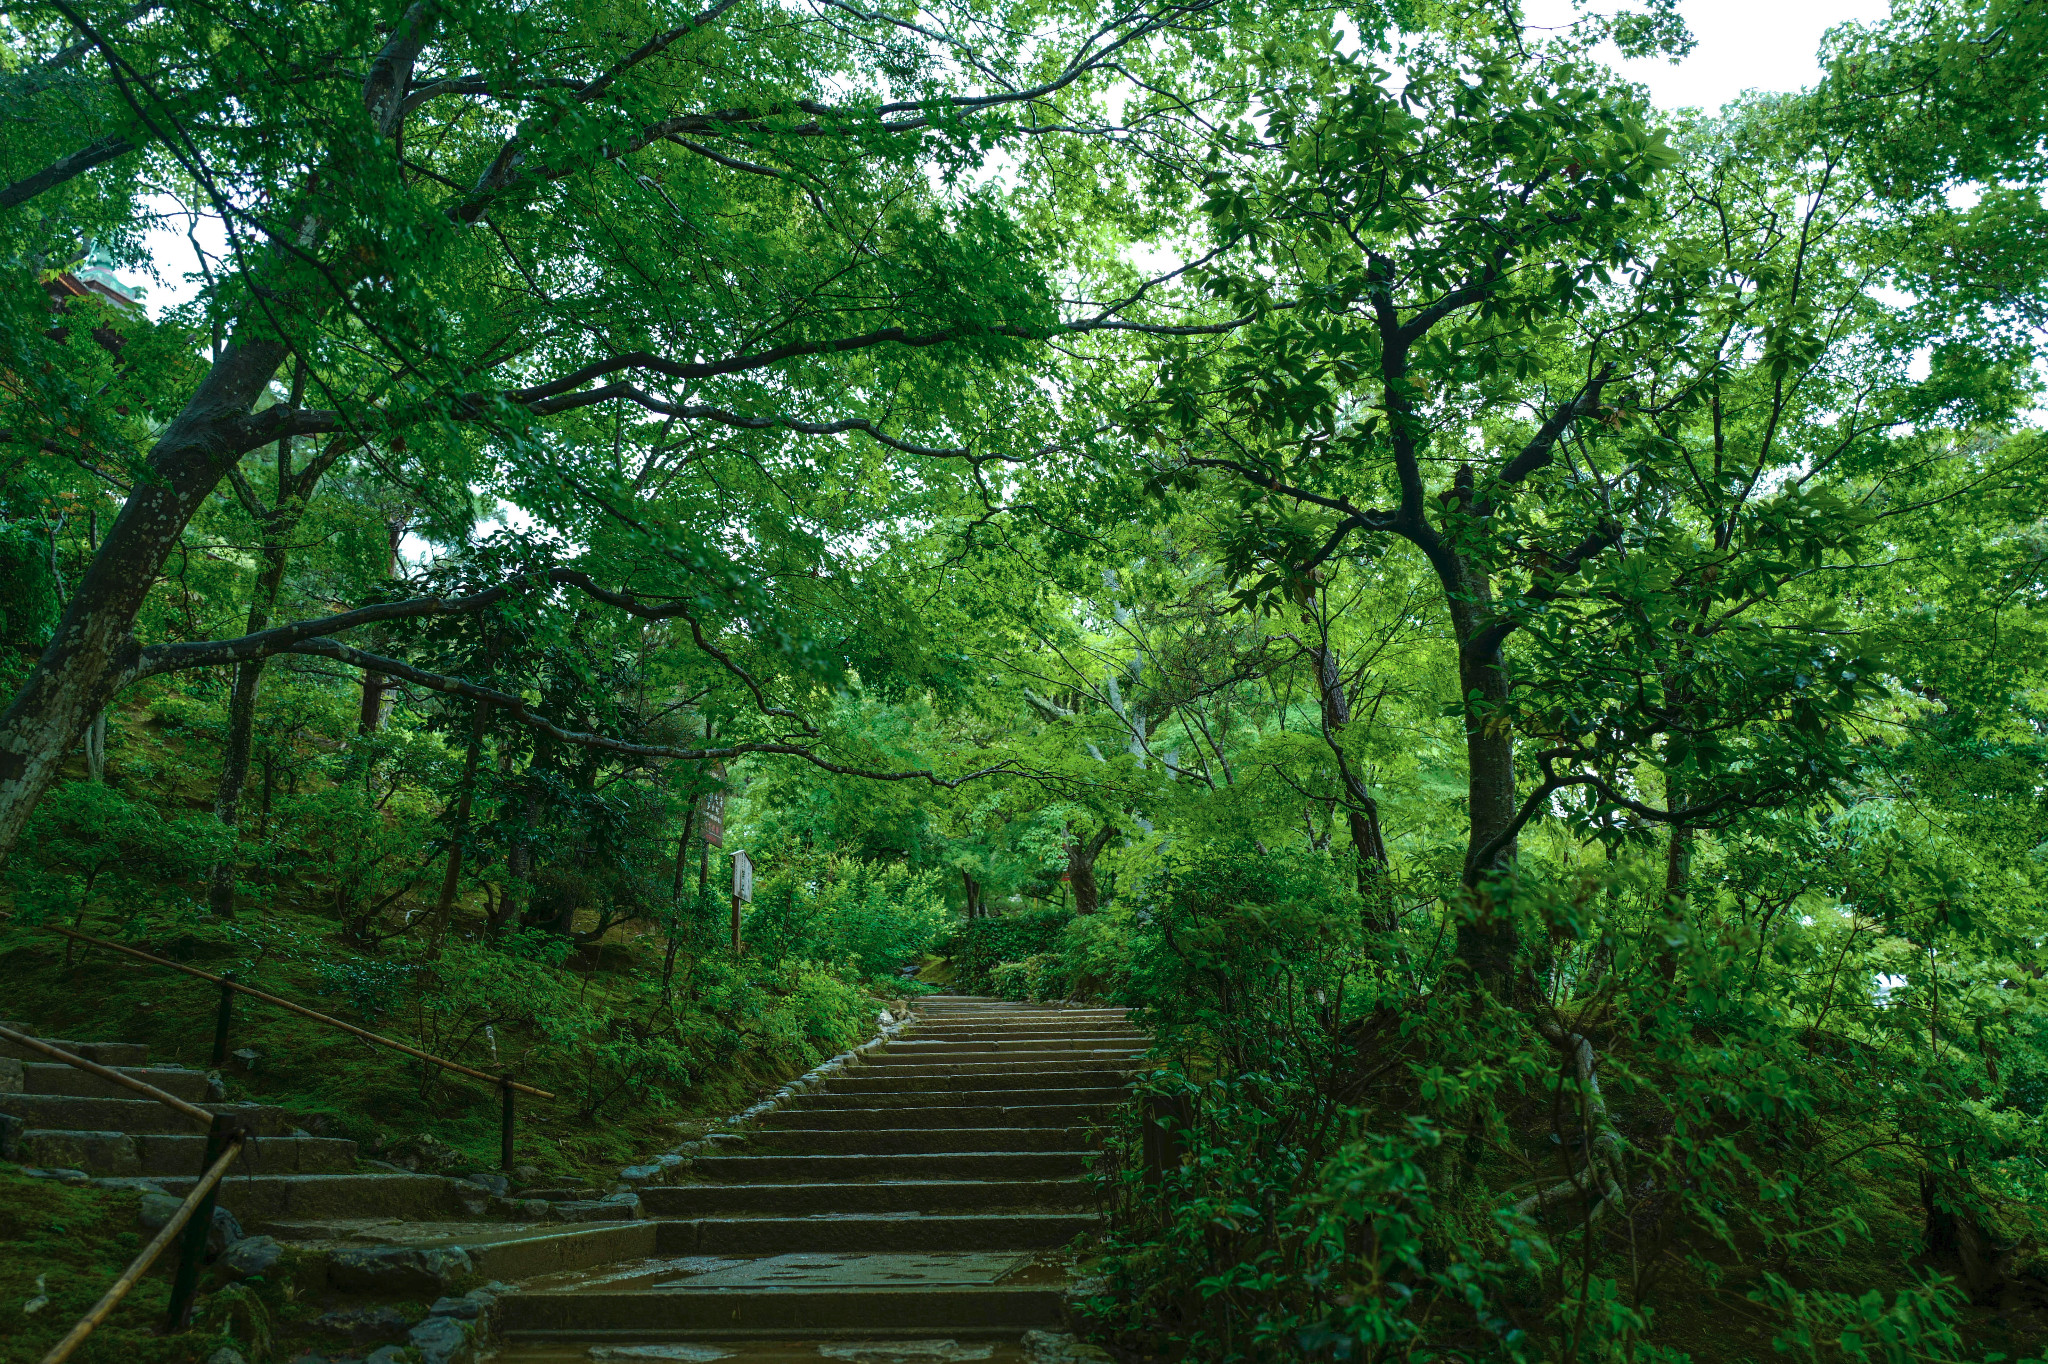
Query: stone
x,y
248,1058
11,1129
364,1324
441,1340
642,1174
525,1174
216,1088
251,1256
1056,1347
466,1307
621,1207
226,1354
130,1183
226,1231
414,1271
13,1079
110,1153
385,1354
490,1179
157,1210
690,1354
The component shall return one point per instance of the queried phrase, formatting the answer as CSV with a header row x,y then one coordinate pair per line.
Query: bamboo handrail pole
x,y
299,1009
111,1299
148,1091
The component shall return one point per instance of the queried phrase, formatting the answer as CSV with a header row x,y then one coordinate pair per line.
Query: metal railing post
x,y
221,1020
192,1246
505,1129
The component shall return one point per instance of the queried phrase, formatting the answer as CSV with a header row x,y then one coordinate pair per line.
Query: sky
x,y
1743,45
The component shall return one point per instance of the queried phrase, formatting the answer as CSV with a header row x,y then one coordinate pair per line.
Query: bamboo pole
x,y
111,1299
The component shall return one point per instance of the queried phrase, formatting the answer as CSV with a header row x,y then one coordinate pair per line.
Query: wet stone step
x,y
954,1098
854,1119
840,1231
920,1196
863,1079
598,1317
914,1140
934,1165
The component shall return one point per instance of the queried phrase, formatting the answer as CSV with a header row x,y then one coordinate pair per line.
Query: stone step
x,y
57,1078
854,1169
1087,1065
901,1196
903,1079
133,1116
833,1232
101,1053
912,1140
968,1032
873,1097
1035,1050
1020,1116
596,1318
259,1200
119,1153
777,1347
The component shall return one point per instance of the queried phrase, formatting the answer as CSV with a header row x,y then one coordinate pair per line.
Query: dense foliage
x,y
1506,623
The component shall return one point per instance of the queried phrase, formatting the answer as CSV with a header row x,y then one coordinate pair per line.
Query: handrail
x,y
202,1192
147,1091
299,1009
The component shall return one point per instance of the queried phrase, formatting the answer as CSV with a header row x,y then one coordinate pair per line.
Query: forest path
x,y
911,1209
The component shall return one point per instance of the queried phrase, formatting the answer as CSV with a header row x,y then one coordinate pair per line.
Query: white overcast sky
x,y
1743,45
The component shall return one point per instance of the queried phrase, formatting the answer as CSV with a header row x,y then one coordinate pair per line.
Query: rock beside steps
x,y
912,1208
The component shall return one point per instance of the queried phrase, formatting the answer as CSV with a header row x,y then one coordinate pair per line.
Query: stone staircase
x,y
71,1123
911,1209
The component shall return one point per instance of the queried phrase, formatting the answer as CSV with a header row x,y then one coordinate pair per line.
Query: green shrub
x,y
979,946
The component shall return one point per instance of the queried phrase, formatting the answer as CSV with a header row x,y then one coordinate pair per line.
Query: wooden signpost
x,y
742,891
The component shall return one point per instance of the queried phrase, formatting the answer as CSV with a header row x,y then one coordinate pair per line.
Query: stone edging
x,y
662,1169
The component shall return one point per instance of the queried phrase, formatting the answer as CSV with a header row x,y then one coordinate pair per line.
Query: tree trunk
x,y
234,772
92,654
458,831
1361,811
1486,940
1081,857
973,893
370,710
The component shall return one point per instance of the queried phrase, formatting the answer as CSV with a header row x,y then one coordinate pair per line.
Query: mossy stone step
x,y
133,1116
956,1115
55,1077
122,1153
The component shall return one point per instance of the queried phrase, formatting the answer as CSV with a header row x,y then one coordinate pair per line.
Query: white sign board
x,y
742,877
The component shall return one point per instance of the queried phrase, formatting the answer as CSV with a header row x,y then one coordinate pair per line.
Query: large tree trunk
x,y
93,652
91,656
1081,855
1486,940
